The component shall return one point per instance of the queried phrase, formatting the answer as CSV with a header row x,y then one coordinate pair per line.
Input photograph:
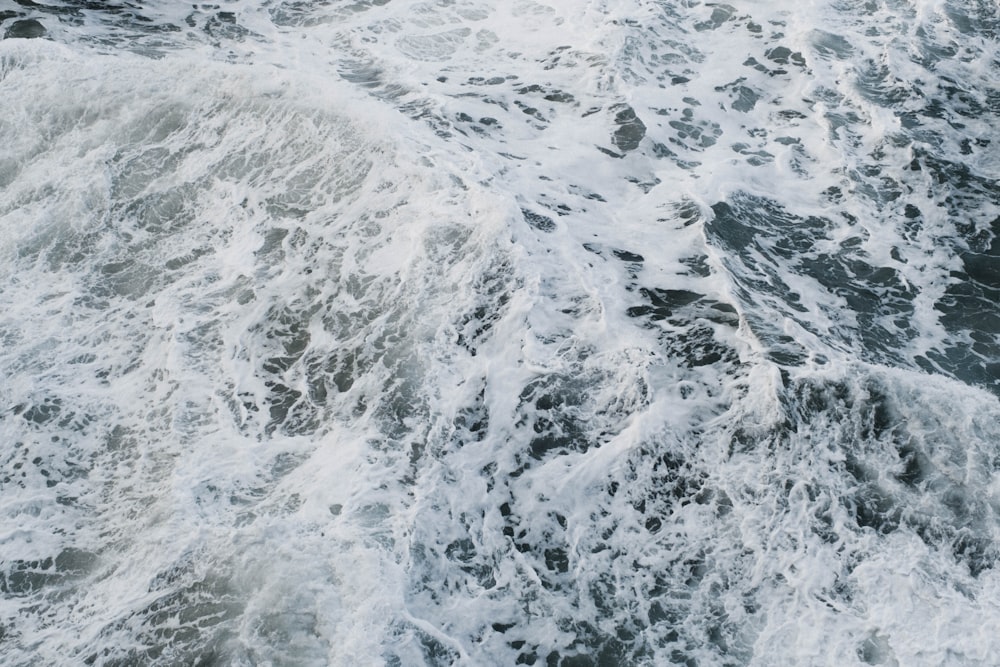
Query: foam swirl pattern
x,y
452,332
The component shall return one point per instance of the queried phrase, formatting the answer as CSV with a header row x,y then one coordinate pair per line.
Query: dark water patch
x,y
365,74
693,133
625,612
589,647
970,311
281,402
964,102
697,347
534,112
542,223
782,55
474,328
220,26
765,243
966,190
52,414
983,268
670,481
633,261
698,265
832,46
973,365
630,130
875,508
283,338
193,624
875,294
894,464
377,82
627,256
975,19
19,578
979,553
44,411
126,278
781,348
761,67
304,14
877,83
720,14
434,651
643,184
25,29
492,294
109,24
482,127
663,302
688,316
567,412
606,652
47,459
754,157
181,261
916,467
932,51
659,150
790,115
556,417
751,257
158,214
472,423
544,542
547,93
875,650
743,98
492,81
730,224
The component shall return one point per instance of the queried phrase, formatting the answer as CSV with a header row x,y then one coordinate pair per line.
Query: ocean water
x,y
452,332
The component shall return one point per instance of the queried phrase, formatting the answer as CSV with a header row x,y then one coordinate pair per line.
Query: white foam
x,y
380,333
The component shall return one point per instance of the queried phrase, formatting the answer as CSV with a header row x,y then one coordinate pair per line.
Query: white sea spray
x,y
619,332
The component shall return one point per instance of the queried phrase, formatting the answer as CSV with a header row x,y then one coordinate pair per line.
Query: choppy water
x,y
565,333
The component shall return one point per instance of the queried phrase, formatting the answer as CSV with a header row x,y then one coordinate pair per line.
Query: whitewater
x,y
549,332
